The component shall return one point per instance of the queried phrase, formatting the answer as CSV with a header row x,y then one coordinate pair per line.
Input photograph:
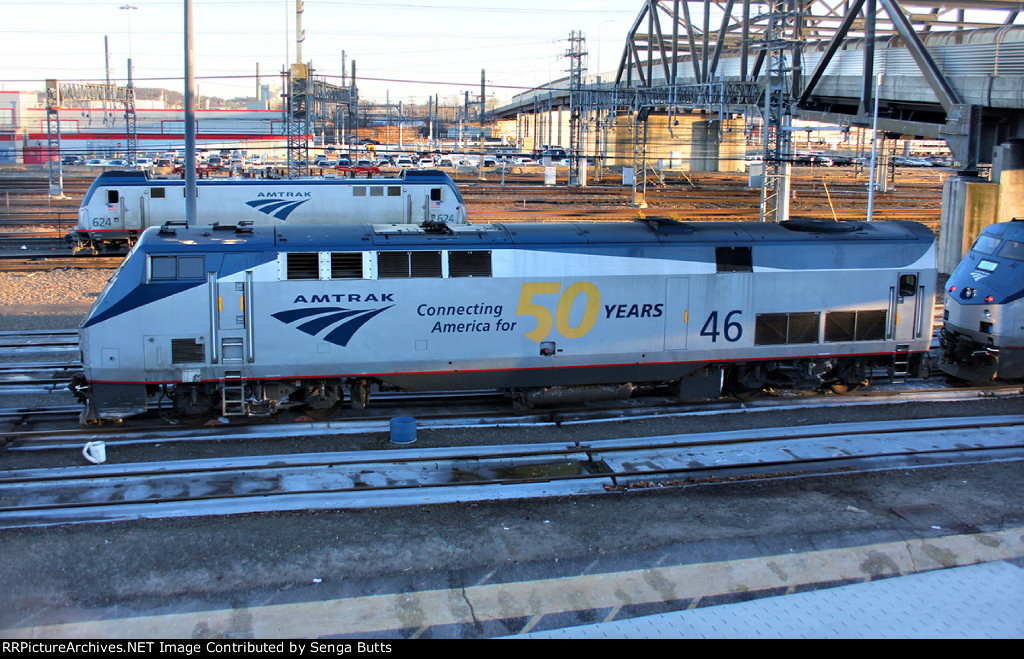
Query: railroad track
x,y
22,343
19,263
404,477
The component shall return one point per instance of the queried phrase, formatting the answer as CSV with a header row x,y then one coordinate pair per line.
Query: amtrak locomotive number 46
x,y
239,322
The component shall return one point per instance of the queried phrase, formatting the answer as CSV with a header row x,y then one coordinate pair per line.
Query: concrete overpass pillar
x,y
969,204
689,142
1008,172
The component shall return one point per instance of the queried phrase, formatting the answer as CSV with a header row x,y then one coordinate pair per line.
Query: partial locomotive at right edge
x,y
983,313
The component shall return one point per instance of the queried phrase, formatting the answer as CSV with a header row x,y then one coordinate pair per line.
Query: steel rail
x,y
401,477
376,420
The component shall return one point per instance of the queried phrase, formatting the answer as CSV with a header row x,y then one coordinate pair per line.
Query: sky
x,y
405,50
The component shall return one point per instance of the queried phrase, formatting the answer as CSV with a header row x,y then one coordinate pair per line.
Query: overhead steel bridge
x,y
941,70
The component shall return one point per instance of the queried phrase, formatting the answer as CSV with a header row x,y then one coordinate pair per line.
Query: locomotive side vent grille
x,y
402,265
771,329
803,327
871,325
392,265
733,259
843,326
303,265
786,328
187,351
469,264
346,265
425,264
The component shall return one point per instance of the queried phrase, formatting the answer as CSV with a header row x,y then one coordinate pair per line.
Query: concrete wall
x,y
689,142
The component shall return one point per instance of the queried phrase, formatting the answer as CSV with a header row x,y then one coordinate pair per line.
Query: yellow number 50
x,y
565,302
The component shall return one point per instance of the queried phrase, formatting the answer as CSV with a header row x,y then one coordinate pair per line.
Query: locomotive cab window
x,y
986,244
435,194
908,285
173,268
112,196
158,193
733,259
1012,249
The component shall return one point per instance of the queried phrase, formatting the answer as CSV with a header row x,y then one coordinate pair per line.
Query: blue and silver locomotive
x,y
120,205
259,319
983,330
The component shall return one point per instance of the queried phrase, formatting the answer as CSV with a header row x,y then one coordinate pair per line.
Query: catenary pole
x,y
191,195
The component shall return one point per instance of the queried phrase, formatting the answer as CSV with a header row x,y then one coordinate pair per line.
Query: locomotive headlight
x,y
968,293
988,314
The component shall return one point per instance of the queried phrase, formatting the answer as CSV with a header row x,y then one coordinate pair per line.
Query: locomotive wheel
x,y
323,413
844,388
738,389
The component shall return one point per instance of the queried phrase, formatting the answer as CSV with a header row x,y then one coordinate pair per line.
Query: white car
x,y
426,163
523,160
404,161
96,162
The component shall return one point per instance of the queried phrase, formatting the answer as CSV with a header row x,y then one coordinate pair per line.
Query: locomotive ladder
x,y
901,364
232,394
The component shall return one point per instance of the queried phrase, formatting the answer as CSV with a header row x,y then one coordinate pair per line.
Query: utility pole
x,y
577,51
483,102
300,34
191,191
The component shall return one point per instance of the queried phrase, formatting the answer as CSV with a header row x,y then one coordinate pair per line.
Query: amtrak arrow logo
x,y
279,208
337,324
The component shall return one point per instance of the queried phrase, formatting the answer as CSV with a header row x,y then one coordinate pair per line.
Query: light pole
x,y
599,47
128,8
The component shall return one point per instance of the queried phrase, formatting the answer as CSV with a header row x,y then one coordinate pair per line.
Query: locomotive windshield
x,y
986,244
1012,249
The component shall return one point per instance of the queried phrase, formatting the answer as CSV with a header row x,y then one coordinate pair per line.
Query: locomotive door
x,y
158,206
906,308
113,216
231,307
677,312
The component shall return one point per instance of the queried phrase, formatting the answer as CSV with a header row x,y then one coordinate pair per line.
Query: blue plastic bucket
x,y
403,430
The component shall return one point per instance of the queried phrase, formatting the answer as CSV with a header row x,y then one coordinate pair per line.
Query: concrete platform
x,y
983,601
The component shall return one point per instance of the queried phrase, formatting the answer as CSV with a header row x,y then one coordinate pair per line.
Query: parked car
x,y
214,162
344,161
404,161
117,162
523,160
71,160
95,162
903,161
322,161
